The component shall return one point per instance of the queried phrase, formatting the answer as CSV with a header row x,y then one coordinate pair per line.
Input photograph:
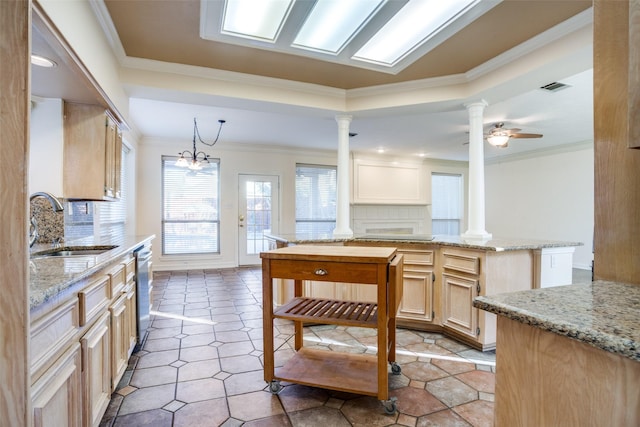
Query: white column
x,y
342,214
476,173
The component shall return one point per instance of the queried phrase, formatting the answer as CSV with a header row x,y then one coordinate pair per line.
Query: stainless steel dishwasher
x,y
143,259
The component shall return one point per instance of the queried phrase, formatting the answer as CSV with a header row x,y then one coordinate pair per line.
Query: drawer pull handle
x,y
321,272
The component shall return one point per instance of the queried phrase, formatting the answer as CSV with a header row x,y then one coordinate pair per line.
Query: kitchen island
x,y
443,274
568,355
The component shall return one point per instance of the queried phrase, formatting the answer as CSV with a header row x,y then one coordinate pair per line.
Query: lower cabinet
x,y
459,312
96,370
119,340
56,396
80,347
417,301
131,318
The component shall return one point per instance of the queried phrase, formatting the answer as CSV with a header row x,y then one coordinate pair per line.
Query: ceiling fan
x,y
499,136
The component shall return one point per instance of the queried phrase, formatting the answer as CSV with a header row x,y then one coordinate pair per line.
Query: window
x,y
190,208
104,219
315,199
113,215
446,203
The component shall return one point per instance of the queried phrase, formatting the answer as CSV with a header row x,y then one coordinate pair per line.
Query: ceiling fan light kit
x,y
498,140
499,136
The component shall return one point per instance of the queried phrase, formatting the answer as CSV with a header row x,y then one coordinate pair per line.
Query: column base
x,y
342,234
483,235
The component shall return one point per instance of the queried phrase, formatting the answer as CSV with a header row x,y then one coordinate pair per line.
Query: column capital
x,y
474,104
341,118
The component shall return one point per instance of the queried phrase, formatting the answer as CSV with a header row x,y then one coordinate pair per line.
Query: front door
x,y
257,214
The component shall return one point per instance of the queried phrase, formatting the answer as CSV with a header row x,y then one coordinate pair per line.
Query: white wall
x,y
233,162
545,197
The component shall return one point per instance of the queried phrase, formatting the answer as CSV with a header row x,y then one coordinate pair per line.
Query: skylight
x,y
255,19
331,24
380,35
413,25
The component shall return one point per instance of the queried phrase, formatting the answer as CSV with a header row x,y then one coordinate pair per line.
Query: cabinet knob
x,y
321,272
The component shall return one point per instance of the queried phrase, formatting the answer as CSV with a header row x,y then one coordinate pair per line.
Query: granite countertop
x,y
497,244
54,277
603,314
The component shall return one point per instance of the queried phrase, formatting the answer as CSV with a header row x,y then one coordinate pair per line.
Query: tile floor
x,y
201,365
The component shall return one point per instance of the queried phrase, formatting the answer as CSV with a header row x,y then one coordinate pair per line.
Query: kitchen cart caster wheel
x,y
390,406
275,387
395,368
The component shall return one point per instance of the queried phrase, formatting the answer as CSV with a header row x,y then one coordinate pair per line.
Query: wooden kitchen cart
x,y
357,373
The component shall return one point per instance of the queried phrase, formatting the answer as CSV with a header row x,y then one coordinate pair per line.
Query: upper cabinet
x,y
92,153
391,183
75,151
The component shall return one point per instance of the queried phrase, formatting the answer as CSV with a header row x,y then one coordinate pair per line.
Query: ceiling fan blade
x,y
513,130
525,135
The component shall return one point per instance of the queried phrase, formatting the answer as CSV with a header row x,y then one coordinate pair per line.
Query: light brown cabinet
x,y
92,153
96,371
56,395
417,282
81,348
460,285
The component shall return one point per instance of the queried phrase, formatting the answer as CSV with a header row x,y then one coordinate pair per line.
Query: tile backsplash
x,y
50,223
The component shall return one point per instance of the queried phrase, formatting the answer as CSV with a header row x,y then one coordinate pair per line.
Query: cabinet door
x,y
113,159
459,313
119,340
417,284
417,299
96,373
56,397
131,318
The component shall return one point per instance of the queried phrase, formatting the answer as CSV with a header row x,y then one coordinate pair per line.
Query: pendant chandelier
x,y
196,160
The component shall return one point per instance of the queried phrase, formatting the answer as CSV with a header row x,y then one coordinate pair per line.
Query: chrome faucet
x,y
55,204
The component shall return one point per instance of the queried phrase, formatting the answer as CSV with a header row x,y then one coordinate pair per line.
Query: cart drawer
x,y
326,271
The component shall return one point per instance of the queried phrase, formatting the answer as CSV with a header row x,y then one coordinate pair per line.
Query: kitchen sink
x,y
67,251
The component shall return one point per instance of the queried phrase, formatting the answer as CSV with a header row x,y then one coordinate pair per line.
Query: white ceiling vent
x,y
554,86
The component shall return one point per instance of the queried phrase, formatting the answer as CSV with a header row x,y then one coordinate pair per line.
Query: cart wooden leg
x,y
267,321
299,331
383,341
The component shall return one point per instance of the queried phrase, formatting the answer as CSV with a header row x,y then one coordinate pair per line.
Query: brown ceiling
x,y
169,31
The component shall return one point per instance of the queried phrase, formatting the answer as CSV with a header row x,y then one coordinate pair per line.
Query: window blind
x,y
190,208
315,198
446,203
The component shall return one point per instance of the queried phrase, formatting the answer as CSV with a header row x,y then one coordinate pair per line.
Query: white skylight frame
x,y
332,24
406,31
259,20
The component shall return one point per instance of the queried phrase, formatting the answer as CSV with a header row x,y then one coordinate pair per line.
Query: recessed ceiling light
x,y
380,150
41,61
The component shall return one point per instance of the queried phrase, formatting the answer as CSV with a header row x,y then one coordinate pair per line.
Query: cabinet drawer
x,y
94,299
325,271
117,276
418,260
52,333
460,262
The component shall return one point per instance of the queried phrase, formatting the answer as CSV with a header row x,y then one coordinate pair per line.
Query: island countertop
x,y
495,244
603,314
53,277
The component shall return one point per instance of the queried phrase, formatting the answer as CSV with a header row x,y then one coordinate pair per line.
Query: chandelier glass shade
x,y
197,160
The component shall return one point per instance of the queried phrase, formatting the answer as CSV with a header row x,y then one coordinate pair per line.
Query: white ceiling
x,y
437,130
